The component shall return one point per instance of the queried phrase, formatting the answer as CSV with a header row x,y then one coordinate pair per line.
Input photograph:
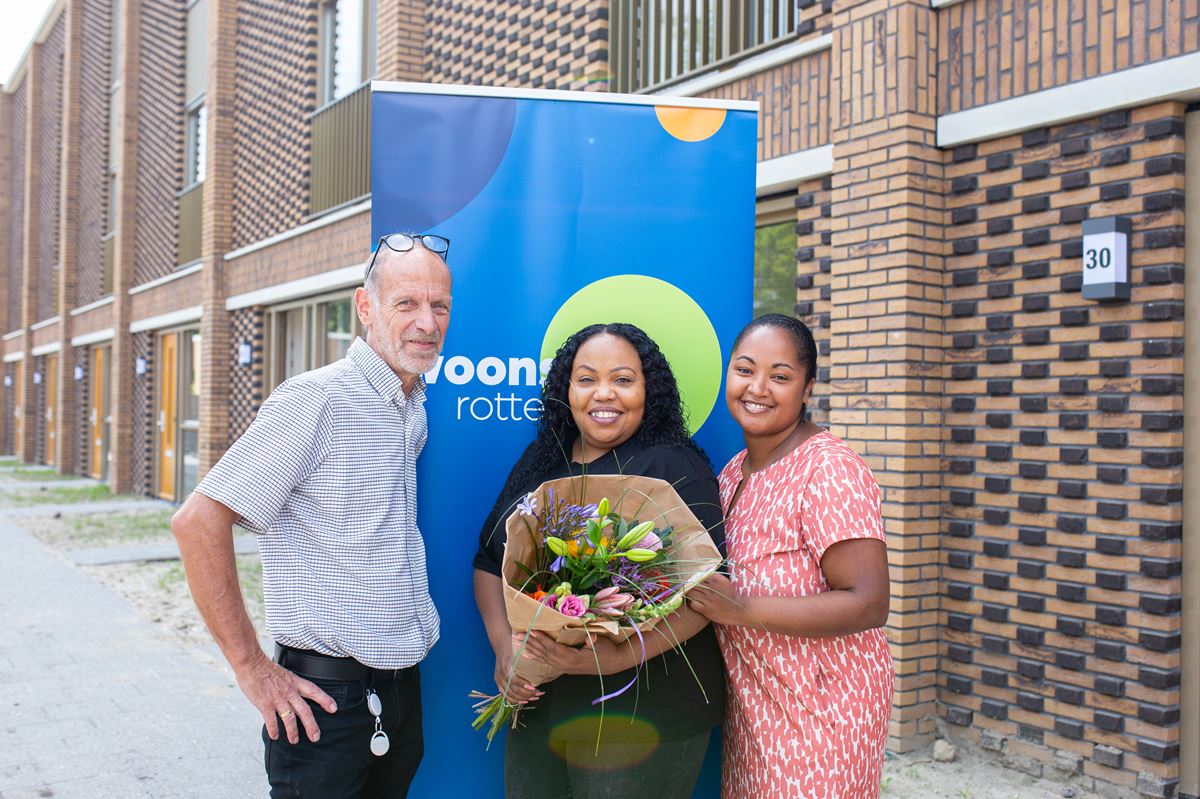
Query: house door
x,y
168,380
97,413
19,410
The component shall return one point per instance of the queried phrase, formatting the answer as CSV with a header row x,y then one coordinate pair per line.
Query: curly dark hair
x,y
663,419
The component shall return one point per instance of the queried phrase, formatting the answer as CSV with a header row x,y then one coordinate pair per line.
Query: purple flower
x,y
528,506
558,563
651,542
571,605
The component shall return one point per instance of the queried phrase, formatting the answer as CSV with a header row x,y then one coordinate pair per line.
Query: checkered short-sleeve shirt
x,y
326,476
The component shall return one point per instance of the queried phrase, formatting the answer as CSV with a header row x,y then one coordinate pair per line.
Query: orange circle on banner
x,y
690,124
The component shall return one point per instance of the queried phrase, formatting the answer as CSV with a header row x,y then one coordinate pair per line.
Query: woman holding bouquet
x,y
810,673
611,407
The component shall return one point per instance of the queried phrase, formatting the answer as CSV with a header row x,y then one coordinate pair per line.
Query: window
x,y
116,43
195,84
775,256
196,146
310,334
347,46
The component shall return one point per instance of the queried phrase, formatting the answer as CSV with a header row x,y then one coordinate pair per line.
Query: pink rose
x,y
650,542
571,605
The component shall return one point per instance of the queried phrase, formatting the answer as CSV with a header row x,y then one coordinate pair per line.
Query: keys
x,y
379,739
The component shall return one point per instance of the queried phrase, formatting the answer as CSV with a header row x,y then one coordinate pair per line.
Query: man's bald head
x,y
405,307
388,259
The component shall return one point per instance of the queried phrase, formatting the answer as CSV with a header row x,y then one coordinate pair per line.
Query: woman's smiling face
x,y
766,386
607,393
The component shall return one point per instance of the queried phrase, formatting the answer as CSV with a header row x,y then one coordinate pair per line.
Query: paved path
x,y
134,553
96,703
103,506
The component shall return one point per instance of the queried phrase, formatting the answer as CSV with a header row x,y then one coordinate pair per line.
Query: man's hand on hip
x,y
280,694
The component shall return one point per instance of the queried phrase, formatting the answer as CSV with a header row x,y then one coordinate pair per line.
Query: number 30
x,y
1101,257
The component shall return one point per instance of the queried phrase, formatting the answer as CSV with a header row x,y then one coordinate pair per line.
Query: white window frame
x,y
327,50
195,150
312,334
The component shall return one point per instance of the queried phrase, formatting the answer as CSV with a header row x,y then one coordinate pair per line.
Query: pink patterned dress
x,y
807,717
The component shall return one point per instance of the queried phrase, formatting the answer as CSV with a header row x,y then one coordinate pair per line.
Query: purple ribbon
x,y
636,673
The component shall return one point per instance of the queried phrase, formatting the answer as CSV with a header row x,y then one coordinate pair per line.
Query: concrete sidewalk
x,y
95,702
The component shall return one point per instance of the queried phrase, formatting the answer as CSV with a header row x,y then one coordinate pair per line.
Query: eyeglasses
x,y
403,242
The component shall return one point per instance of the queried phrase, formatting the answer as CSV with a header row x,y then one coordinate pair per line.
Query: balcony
x,y
191,210
653,43
341,151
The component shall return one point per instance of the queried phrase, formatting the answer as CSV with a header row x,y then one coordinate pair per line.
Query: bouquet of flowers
x,y
594,555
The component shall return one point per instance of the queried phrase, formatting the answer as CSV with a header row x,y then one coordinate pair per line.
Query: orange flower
x,y
538,594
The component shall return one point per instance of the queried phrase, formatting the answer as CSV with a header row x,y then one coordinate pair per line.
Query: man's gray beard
x,y
410,364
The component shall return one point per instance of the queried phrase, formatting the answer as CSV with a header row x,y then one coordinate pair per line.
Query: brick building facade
x,y
182,216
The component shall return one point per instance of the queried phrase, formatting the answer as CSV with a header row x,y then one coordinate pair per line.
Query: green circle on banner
x,y
668,315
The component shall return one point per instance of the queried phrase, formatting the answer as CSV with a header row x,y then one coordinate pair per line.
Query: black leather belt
x,y
316,666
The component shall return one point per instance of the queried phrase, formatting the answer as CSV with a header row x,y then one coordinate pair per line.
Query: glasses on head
x,y
403,242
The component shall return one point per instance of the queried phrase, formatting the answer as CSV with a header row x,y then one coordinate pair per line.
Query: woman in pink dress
x,y
810,673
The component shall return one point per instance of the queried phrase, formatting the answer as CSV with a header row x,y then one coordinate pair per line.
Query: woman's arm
x,y
858,597
489,596
612,658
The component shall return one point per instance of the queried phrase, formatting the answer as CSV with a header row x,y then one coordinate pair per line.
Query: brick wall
x,y
95,80
159,133
48,121
400,40
1062,555
5,208
16,192
10,406
547,45
886,314
246,384
813,279
276,92
992,51
332,247
794,104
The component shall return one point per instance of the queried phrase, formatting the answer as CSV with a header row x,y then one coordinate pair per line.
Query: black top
x,y
667,695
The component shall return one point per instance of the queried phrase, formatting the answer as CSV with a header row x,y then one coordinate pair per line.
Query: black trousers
x,y
340,765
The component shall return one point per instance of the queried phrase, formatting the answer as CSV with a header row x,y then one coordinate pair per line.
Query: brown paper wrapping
x,y
632,497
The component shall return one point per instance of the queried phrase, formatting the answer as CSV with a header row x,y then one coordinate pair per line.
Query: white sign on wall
x,y
1106,258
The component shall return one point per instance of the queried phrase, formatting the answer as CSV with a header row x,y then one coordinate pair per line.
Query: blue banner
x,y
562,209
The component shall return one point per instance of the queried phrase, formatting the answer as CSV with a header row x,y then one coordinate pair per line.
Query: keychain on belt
x,y
379,739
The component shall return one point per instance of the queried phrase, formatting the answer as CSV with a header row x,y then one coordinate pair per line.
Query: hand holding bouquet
x,y
577,565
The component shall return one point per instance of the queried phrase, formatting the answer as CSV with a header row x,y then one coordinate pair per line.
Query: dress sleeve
x,y
840,503
287,440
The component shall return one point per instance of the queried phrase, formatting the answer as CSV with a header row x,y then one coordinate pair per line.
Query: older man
x,y
326,476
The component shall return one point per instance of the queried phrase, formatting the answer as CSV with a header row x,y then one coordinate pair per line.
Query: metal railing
x,y
341,151
657,42
191,216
